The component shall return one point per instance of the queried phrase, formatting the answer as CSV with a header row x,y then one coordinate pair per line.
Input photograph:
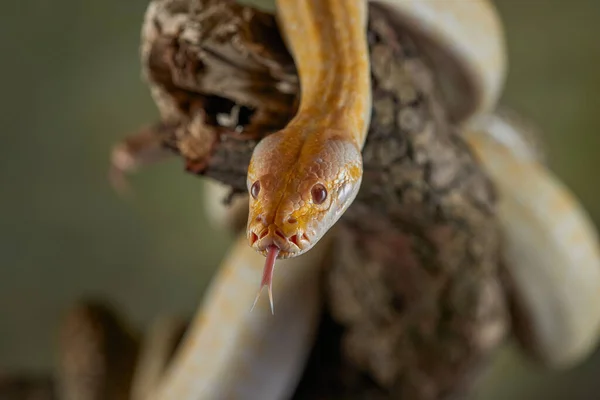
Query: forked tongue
x,y
267,278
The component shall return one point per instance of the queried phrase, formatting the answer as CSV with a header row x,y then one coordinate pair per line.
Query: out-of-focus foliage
x,y
71,87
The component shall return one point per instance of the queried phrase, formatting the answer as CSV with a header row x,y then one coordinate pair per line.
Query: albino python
x,y
303,178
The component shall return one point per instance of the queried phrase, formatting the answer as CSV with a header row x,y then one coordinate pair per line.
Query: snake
x,y
303,178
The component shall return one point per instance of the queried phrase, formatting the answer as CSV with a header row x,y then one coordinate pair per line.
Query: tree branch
x,y
414,300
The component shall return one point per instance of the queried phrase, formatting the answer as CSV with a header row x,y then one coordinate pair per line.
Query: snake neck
x,y
327,39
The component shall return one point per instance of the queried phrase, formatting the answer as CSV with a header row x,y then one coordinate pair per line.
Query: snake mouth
x,y
288,246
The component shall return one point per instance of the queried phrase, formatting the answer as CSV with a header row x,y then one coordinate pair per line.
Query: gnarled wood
x,y
414,300
98,352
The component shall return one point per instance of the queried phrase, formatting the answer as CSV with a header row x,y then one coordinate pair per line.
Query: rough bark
x,y
414,300
24,386
98,352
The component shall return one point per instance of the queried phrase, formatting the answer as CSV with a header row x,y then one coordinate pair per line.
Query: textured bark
x,y
414,300
26,387
97,352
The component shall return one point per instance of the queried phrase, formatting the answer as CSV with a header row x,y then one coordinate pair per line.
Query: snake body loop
x,y
551,248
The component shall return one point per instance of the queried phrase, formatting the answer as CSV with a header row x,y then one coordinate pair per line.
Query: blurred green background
x,y
71,88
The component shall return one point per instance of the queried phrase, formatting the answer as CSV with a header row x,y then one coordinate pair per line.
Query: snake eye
x,y
255,189
318,193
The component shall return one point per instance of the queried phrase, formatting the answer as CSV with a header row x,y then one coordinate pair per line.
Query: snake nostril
x,y
263,233
292,220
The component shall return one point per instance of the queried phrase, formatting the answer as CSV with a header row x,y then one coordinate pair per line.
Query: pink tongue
x,y
267,278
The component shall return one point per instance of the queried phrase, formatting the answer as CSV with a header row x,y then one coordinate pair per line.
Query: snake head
x,y
300,185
